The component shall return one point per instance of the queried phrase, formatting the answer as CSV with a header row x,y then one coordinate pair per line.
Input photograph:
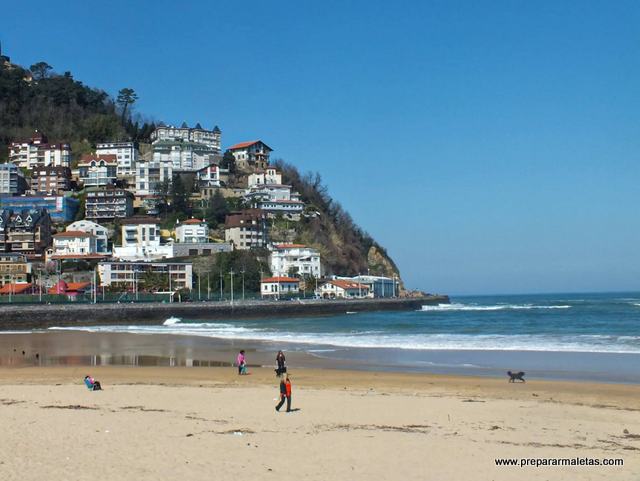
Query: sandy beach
x,y
203,423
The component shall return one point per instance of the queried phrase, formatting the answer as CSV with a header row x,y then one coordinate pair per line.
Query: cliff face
x,y
344,247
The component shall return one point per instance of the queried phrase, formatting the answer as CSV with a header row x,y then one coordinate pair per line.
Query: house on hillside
x,y
25,232
50,180
297,257
98,170
36,151
141,240
341,289
252,154
98,231
246,229
12,181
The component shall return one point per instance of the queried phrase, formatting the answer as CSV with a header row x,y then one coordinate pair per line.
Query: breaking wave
x,y
496,307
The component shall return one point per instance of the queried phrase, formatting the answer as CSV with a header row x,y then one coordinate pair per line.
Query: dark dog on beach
x,y
515,375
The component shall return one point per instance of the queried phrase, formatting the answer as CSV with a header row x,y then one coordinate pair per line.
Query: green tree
x,y
217,210
228,162
40,70
155,281
179,197
126,97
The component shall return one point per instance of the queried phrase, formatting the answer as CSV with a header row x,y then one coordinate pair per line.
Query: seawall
x,y
22,317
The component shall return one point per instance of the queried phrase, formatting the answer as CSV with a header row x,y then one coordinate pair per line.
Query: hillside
x,y
67,110
62,107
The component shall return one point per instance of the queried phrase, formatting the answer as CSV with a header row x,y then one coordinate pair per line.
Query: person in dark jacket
x,y
281,365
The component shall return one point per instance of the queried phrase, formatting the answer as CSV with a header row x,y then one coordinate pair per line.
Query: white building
x,y
270,175
74,244
98,170
252,154
289,208
150,175
100,233
192,231
304,260
342,289
210,138
130,275
37,152
141,241
184,155
268,192
210,176
126,154
276,287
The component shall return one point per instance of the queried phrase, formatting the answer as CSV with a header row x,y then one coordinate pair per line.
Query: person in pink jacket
x,y
241,362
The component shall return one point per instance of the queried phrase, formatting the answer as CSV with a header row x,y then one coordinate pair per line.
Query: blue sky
x,y
492,147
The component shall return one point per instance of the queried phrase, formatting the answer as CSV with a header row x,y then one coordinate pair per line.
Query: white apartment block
x,y
302,259
210,138
150,175
184,155
37,152
141,241
98,170
126,154
128,275
192,231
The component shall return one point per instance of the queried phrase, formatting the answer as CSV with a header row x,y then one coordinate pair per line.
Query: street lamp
x,y
243,283
231,286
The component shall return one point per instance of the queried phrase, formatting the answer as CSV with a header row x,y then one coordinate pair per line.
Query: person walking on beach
x,y
241,361
285,393
281,364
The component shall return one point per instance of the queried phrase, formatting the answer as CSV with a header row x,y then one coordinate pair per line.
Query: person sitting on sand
x,y
241,361
92,384
281,364
285,393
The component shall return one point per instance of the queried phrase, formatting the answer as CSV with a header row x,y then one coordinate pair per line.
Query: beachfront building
x,y
279,286
36,151
14,268
25,232
126,156
12,289
253,154
108,204
100,233
70,289
60,208
129,276
98,170
343,289
141,241
267,176
379,286
246,229
295,259
12,182
184,133
50,180
192,231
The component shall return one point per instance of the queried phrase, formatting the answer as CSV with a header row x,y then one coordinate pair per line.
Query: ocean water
x,y
584,323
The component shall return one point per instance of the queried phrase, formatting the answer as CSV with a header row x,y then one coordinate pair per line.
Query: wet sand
x,y
197,423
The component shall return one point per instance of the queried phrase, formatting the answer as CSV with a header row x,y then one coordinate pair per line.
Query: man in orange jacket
x,y
285,393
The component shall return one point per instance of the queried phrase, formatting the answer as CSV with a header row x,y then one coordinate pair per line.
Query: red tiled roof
x,y
193,221
73,233
289,246
15,288
63,287
280,279
243,145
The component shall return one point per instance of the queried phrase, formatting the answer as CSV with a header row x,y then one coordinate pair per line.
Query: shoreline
x,y
19,317
71,346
